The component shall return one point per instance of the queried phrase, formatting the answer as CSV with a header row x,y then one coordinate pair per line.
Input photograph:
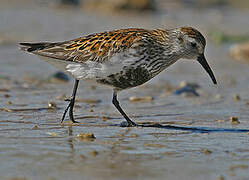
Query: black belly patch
x,y
127,78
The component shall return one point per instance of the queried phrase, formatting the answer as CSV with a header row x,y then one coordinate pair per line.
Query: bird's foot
x,y
128,124
73,121
70,107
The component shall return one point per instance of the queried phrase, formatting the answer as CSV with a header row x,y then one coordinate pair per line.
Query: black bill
x,y
202,60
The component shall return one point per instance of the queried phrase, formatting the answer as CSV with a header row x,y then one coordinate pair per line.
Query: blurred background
x,y
33,144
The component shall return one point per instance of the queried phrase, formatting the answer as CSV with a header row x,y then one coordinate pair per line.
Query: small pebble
x,y
93,153
124,124
6,95
9,103
105,118
52,105
35,127
206,151
234,120
6,109
86,136
220,121
133,135
236,97
52,134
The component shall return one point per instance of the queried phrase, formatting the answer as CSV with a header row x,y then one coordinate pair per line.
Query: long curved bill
x,y
202,60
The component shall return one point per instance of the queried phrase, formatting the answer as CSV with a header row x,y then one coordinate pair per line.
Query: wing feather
x,y
95,47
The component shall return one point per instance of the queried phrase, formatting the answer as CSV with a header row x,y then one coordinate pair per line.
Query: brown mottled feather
x,y
95,47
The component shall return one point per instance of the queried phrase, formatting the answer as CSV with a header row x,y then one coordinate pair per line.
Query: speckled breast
x,y
128,78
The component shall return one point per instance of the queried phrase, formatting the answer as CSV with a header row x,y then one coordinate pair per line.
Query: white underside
x,y
91,70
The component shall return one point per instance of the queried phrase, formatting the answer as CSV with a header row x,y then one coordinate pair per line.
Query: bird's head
x,y
192,45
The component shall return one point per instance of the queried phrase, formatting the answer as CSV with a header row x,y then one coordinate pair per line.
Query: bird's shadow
x,y
192,129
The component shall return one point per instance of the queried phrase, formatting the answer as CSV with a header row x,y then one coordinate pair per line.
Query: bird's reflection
x,y
71,143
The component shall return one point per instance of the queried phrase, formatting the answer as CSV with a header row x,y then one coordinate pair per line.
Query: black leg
x,y
116,104
71,104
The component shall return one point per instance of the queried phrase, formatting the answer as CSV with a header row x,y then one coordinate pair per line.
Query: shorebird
x,y
121,59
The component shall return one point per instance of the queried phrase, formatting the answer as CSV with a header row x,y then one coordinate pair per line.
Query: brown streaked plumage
x,y
122,58
95,47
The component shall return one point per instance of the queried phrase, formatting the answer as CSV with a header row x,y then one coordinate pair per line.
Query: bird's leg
x,y
71,104
116,104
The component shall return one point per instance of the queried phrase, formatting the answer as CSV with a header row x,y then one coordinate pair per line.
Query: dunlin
x,y
123,58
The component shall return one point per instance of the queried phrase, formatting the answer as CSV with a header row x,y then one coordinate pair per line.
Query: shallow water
x,y
34,145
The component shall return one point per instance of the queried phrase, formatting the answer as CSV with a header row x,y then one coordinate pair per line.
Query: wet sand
x,y
34,145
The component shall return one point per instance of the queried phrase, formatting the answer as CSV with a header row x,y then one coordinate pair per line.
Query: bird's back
x,y
95,47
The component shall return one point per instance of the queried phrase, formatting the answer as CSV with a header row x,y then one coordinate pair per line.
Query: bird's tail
x,y
30,47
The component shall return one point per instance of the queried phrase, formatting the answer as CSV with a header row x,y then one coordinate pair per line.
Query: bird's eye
x,y
193,44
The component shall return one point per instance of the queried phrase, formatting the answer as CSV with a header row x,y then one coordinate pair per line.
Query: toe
x,y
127,124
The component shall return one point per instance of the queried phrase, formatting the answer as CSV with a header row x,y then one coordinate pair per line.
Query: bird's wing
x,y
95,47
